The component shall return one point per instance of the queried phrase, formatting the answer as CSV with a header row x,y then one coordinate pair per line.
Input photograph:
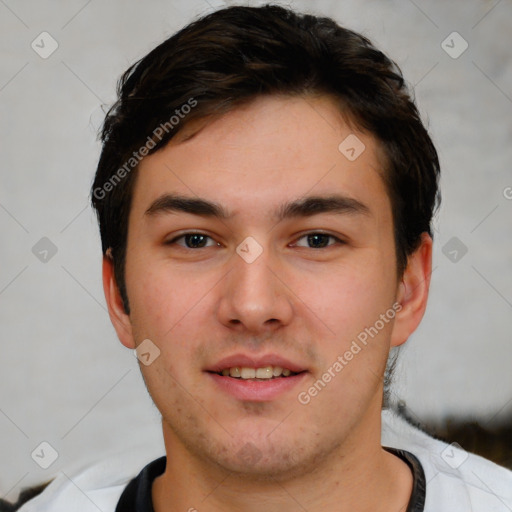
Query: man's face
x,y
312,276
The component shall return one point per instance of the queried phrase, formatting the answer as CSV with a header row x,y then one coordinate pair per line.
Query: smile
x,y
263,373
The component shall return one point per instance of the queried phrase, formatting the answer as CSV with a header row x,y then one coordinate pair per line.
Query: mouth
x,y
256,379
263,373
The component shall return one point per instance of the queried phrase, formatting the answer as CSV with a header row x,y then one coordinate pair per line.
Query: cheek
x,y
160,297
172,310
350,303
356,345
349,297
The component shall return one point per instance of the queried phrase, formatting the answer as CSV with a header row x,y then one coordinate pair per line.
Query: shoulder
x,y
455,479
97,487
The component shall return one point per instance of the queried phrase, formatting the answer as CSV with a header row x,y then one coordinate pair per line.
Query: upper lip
x,y
248,361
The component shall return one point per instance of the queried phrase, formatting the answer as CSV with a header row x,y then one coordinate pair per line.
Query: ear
x,y
413,292
120,320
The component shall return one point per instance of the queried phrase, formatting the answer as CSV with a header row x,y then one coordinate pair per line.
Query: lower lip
x,y
257,390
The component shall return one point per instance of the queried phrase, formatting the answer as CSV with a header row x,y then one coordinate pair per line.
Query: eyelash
x,y
337,240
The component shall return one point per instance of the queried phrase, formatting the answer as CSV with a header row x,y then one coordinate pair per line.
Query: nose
x,y
254,297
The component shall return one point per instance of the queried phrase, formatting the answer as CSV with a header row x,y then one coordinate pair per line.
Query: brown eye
x,y
317,240
194,241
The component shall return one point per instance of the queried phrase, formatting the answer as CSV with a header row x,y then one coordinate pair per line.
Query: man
x,y
264,194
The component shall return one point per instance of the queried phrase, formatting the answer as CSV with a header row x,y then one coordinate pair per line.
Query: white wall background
x,y
64,377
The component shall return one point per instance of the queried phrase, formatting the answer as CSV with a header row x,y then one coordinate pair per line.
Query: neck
x,y
357,476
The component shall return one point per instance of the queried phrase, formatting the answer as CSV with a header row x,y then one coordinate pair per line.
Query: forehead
x,y
271,151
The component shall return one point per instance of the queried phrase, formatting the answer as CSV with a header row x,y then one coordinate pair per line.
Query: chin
x,y
265,460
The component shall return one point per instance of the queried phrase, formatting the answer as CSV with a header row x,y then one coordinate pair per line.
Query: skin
x,y
307,304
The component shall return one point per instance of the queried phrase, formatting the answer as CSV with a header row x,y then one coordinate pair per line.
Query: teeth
x,y
266,372
248,373
235,372
277,371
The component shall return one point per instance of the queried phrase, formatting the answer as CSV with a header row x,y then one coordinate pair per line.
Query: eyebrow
x,y
306,207
169,203
315,205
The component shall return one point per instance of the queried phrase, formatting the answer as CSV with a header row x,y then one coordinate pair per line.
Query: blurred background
x,y
65,380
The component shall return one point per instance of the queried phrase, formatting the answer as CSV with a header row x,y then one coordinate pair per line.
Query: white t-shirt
x,y
456,481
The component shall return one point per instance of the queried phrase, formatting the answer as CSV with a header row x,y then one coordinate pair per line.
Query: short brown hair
x,y
230,57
